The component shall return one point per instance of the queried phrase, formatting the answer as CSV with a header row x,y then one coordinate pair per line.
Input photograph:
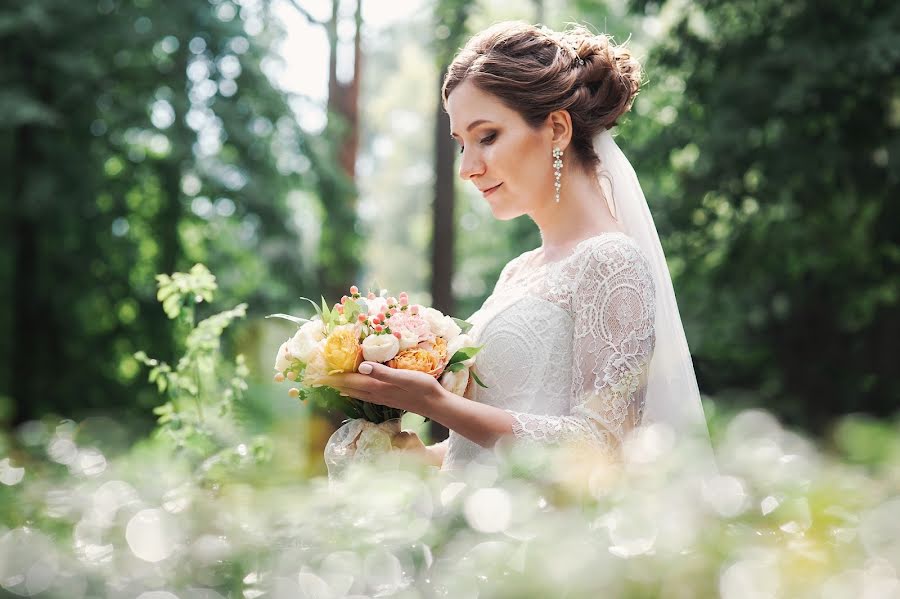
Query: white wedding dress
x,y
567,346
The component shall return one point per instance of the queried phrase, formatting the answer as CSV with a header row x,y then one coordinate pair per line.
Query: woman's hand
x,y
410,444
379,384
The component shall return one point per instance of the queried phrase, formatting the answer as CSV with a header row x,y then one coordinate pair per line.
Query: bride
x,y
582,337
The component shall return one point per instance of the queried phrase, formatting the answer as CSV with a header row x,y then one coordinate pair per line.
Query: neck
x,y
582,212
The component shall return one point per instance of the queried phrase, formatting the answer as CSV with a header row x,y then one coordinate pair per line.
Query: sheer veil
x,y
673,397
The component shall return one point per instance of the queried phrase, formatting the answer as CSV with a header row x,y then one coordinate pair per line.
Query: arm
x,y
614,314
480,423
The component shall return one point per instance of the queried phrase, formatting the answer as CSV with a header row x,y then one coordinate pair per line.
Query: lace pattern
x,y
567,346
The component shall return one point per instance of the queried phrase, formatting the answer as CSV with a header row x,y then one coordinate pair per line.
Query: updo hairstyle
x,y
535,71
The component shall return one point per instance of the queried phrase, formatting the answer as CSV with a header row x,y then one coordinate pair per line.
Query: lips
x,y
489,190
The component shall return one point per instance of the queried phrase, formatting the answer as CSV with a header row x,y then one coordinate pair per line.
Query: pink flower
x,y
412,325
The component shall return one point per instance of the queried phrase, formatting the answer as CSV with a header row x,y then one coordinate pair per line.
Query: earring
x,y
557,170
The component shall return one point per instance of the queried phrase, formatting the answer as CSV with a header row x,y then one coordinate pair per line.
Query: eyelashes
x,y
485,141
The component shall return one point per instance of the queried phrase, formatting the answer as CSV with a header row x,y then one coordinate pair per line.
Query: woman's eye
x,y
484,141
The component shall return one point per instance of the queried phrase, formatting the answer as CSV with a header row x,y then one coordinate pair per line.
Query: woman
x,y
570,329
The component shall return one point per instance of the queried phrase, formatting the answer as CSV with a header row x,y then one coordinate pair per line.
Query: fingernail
x,y
365,368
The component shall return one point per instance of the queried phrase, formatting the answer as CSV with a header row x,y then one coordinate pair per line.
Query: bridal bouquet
x,y
375,328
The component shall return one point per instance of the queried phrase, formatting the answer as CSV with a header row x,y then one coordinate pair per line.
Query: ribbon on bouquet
x,y
358,440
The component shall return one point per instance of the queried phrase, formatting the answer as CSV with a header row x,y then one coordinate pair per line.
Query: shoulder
x,y
617,248
513,265
612,255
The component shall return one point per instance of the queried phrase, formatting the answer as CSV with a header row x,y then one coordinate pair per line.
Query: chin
x,y
505,213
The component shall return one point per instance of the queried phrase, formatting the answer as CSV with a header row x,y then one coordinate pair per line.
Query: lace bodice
x,y
567,346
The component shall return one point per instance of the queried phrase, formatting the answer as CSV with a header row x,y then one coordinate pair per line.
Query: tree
x,y
770,155
340,241
140,136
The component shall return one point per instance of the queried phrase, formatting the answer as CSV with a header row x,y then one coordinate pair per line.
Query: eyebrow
x,y
472,125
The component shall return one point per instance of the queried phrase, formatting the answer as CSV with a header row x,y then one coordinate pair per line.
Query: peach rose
x,y
440,349
342,350
430,358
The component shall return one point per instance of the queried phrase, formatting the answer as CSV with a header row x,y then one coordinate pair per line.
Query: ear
x,y
560,126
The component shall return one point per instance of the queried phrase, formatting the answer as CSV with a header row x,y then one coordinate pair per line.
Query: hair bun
x,y
608,77
535,71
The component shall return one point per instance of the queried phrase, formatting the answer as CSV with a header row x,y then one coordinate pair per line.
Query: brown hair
x,y
536,71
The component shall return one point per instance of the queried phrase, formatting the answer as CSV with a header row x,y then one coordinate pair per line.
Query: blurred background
x,y
296,147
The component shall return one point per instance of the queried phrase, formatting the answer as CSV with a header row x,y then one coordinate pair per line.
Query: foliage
x,y
768,144
781,517
141,137
204,390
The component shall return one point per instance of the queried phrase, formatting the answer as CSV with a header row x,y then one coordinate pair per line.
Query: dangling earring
x,y
557,170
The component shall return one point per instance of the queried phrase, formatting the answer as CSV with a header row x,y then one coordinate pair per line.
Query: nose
x,y
470,165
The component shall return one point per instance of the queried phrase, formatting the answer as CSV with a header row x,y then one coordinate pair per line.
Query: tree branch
x,y
306,14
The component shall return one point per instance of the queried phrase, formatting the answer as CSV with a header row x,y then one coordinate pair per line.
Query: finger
x,y
359,388
394,376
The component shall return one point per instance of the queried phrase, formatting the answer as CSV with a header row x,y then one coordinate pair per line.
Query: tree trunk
x,y
27,298
443,220
339,248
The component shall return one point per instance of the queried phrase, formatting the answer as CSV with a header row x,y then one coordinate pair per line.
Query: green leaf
x,y
464,325
326,313
477,380
314,305
465,353
295,319
371,411
456,367
351,309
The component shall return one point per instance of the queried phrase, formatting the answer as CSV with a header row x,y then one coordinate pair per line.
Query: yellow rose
x,y
342,350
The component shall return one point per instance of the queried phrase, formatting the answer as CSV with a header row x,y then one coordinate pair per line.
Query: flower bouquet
x,y
374,328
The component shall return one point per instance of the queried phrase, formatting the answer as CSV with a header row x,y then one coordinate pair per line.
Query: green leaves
x,y
295,319
185,288
466,353
203,386
477,380
464,325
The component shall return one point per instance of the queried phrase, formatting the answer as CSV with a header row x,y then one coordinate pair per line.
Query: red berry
x,y
344,299
362,317
397,334
354,290
340,309
376,320
381,316
378,328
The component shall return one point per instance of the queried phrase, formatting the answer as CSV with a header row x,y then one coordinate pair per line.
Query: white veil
x,y
672,398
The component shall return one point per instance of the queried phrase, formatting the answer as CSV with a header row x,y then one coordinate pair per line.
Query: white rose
x,y
442,326
459,342
316,366
456,382
408,339
304,341
282,361
377,305
380,348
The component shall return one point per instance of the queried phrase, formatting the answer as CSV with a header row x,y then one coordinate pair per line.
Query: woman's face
x,y
507,160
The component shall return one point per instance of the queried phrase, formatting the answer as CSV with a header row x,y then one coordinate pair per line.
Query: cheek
x,y
532,175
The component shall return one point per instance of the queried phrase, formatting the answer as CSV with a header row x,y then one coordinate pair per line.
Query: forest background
x,y
141,137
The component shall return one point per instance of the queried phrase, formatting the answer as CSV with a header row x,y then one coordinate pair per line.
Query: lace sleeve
x,y
613,311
